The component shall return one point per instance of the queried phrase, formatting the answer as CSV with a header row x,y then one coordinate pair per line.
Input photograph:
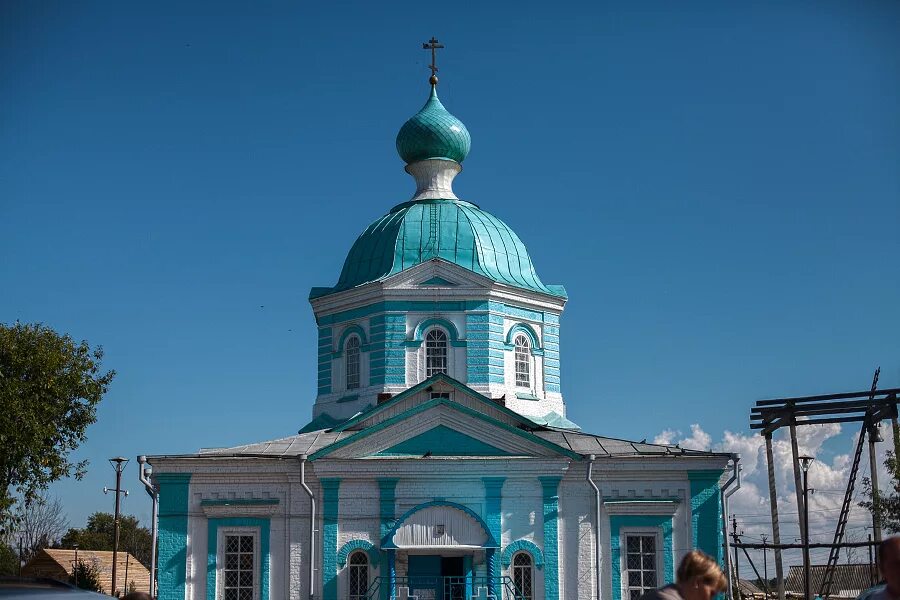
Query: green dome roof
x,y
456,231
433,133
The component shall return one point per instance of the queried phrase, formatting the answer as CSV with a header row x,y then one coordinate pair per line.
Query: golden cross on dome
x,y
433,45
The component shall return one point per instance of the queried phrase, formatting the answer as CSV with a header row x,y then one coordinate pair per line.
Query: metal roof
x,y
857,576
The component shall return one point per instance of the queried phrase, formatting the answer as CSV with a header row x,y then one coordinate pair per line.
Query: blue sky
x,y
716,185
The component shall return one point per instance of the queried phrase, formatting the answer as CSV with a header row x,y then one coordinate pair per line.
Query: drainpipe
x,y
590,481
144,476
312,528
726,493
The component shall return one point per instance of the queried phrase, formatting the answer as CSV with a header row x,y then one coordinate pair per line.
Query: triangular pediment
x,y
444,427
443,441
437,273
437,281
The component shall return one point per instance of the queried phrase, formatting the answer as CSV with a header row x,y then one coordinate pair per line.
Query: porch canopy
x,y
439,525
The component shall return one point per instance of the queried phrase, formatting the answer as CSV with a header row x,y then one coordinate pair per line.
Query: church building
x,y
439,463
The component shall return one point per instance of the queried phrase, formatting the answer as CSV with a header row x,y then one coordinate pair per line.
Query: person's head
x,y
699,576
889,563
137,596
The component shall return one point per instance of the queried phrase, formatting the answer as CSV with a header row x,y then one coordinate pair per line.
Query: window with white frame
x,y
239,565
523,361
358,576
640,564
523,575
351,357
435,352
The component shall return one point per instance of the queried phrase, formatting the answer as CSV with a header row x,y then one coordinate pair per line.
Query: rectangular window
x,y
436,395
239,567
640,574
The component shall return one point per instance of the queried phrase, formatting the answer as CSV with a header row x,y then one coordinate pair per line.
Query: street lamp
x,y
118,463
805,461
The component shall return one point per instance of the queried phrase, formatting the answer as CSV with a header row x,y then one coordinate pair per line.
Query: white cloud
x,y
828,476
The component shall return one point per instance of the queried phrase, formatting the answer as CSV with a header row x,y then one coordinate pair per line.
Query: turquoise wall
x,y
387,357
325,350
330,490
550,487
172,541
663,523
213,526
706,513
386,500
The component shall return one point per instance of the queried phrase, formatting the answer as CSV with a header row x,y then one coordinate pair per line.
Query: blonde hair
x,y
696,564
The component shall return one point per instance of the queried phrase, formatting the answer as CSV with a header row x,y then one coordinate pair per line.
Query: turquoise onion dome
x,y
433,133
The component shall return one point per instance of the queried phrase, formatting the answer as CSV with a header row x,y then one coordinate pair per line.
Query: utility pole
x,y
805,461
737,570
765,538
118,463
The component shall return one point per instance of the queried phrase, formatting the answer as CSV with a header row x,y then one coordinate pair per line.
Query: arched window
x,y
435,352
523,362
358,577
523,575
351,354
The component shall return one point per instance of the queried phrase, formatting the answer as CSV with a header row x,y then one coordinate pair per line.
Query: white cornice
x,y
399,287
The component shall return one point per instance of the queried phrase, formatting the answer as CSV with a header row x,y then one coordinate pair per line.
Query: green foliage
x,y
99,534
50,386
9,561
890,502
86,576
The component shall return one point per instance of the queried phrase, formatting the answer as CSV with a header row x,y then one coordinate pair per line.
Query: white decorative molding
x,y
224,511
434,179
641,507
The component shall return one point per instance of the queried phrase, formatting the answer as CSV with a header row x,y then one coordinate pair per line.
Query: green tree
x,y
50,386
9,560
99,534
86,576
888,499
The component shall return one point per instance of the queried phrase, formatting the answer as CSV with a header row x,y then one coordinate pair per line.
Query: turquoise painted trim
x,y
661,522
330,492
550,488
453,405
212,545
526,330
526,396
386,499
706,513
537,556
172,543
351,330
240,502
438,281
364,545
349,398
388,543
443,441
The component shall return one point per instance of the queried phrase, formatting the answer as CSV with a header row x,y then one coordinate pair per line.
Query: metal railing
x,y
445,588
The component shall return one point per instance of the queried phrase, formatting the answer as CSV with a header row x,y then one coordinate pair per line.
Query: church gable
x,y
422,429
437,387
443,441
436,273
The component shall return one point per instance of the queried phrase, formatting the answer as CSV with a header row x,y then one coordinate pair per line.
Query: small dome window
x,y
351,354
435,352
523,361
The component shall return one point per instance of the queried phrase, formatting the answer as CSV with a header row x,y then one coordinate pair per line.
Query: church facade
x,y
439,462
